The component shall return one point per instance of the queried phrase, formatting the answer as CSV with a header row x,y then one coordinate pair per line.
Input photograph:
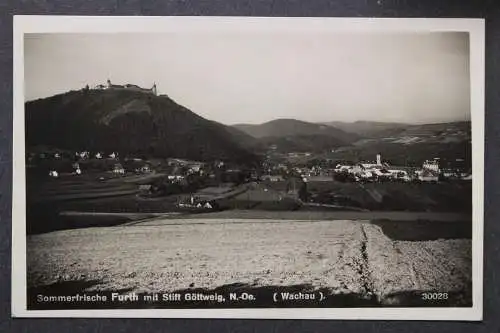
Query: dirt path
x,y
346,257
401,268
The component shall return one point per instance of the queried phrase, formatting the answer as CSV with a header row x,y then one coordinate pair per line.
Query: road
x,y
344,257
334,215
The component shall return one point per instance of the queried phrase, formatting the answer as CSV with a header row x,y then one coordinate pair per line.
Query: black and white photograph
x,y
248,167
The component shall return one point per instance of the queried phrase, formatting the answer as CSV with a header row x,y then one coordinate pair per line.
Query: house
x,y
196,202
427,175
76,167
273,178
175,177
342,167
450,173
466,176
399,174
381,174
118,169
143,169
403,173
195,168
358,169
145,187
83,154
431,165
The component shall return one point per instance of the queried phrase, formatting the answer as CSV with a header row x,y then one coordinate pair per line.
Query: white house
x,y
118,169
275,178
343,168
431,165
83,154
369,165
143,169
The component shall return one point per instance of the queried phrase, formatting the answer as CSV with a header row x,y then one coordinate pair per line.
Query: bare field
x,y
343,257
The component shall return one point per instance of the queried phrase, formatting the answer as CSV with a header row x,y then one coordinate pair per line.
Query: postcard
x,y
248,167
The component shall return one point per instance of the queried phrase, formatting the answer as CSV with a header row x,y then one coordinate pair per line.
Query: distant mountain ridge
x,y
398,143
137,123
372,129
291,135
410,144
291,127
132,123
365,128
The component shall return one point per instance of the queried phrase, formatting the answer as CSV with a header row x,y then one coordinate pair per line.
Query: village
x,y
182,185
179,169
369,171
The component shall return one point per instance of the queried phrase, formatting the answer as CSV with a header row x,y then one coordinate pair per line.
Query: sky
x,y
254,77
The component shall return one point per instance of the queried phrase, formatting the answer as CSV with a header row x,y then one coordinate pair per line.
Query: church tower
x,y
154,89
109,83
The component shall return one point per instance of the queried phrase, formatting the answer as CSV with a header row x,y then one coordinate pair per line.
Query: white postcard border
x,y
102,24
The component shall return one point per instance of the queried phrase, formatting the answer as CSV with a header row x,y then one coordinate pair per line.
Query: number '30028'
x,y
434,296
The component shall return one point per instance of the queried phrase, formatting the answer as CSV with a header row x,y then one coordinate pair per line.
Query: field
x,y
393,196
49,199
372,244
353,262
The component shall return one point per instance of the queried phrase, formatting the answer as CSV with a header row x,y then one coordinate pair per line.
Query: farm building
x,y
272,178
196,203
143,169
175,177
118,169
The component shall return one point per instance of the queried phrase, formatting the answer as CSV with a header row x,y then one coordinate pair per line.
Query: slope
x,y
131,123
293,127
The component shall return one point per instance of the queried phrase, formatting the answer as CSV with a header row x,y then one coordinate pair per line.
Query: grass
x,y
438,197
47,198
